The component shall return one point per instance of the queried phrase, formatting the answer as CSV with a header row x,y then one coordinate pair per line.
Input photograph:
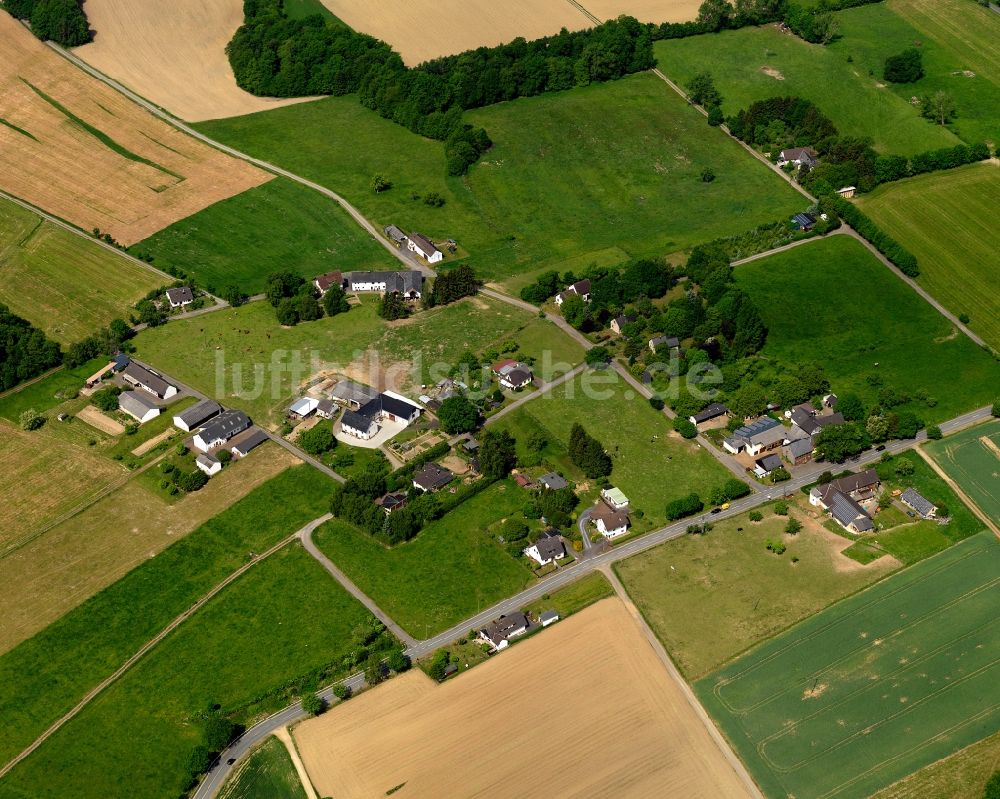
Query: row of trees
x,y
61,21
453,285
296,300
25,351
587,453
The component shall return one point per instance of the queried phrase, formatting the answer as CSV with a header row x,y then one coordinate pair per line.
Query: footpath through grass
x,y
243,653
874,687
974,464
42,678
268,773
453,569
64,285
573,175
832,303
940,217
275,226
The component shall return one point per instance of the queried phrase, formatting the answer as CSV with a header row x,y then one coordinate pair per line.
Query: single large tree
x,y
458,415
497,454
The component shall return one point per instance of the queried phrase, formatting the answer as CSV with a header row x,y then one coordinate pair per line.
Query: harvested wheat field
x,y
82,151
426,29
45,579
583,709
642,10
173,54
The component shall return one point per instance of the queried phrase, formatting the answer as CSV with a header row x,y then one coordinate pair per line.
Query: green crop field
x,y
572,175
652,465
941,217
282,620
268,773
710,597
963,775
60,282
275,226
244,356
960,43
756,63
873,688
45,676
975,466
453,569
831,302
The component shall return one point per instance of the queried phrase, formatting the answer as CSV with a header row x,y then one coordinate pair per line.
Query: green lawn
x,y
710,597
61,283
571,175
244,651
873,688
856,102
651,464
973,465
46,675
244,356
268,773
831,302
574,597
954,36
940,218
275,226
50,391
453,569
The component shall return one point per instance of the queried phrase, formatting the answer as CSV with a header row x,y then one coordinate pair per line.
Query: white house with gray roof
x,y
138,406
220,430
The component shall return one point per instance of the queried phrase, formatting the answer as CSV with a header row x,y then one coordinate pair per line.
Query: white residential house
x,y
146,379
498,633
323,283
358,425
581,288
512,374
548,617
222,428
798,157
209,464
180,296
610,523
197,415
424,247
547,549
240,445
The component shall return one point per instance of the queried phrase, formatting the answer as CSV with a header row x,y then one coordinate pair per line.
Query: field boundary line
x,y
142,651
954,486
284,734
36,379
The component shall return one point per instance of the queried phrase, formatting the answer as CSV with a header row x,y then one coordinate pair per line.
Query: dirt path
x,y
99,421
146,446
983,517
283,735
675,675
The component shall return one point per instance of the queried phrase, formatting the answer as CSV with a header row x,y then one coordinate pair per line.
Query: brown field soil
x,y
73,561
173,54
94,158
420,30
43,476
105,424
585,708
644,10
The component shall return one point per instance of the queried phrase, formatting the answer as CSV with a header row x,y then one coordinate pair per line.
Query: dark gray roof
x,y
199,413
518,377
180,294
580,287
550,545
713,411
225,426
392,501
394,233
349,391
356,420
756,427
665,341
805,419
143,376
403,282
501,629
830,419
424,243
325,406
249,439
769,463
206,459
613,519
386,403
800,447
135,403
548,615
918,502
625,319
846,511
553,481
432,477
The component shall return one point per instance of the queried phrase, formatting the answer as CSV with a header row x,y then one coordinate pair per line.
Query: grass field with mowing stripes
x,y
874,687
973,464
267,774
942,218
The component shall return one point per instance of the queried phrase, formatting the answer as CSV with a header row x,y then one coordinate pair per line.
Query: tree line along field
x,y
940,217
87,154
832,303
453,569
609,165
283,619
972,459
57,571
874,687
651,464
248,340
710,597
278,226
46,675
62,284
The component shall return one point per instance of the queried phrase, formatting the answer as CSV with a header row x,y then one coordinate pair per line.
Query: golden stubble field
x,y
585,708
80,150
645,10
61,569
173,54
